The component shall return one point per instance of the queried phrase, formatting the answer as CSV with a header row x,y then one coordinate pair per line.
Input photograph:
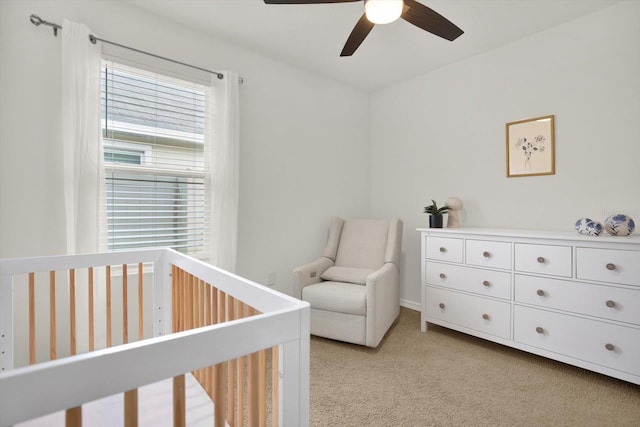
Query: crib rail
x,y
242,342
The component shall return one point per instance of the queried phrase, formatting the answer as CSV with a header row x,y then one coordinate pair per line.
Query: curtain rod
x,y
36,20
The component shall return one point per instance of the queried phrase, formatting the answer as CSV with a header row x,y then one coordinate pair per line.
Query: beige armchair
x,y
353,288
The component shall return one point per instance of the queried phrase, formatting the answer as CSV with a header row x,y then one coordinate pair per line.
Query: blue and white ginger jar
x,y
619,225
588,226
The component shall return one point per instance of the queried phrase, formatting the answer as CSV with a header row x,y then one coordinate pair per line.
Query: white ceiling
x,y
312,36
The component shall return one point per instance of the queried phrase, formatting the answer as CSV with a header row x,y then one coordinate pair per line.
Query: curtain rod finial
x,y
35,19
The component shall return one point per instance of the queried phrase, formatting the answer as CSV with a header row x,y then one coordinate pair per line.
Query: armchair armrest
x,y
309,274
383,302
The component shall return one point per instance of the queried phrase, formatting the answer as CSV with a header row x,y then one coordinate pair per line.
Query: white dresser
x,y
561,295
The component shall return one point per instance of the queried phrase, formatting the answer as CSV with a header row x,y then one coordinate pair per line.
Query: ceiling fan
x,y
386,11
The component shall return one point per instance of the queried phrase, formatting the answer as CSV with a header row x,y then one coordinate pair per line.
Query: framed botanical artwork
x,y
531,147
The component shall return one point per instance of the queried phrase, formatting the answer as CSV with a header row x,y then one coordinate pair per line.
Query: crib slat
x,y
179,404
252,389
252,382
108,307
221,384
52,315
181,299
131,408
275,386
201,320
174,299
202,302
193,286
72,311
125,305
241,375
215,373
73,417
184,293
196,316
140,303
32,318
262,388
190,304
220,394
91,311
191,319
231,314
209,321
223,307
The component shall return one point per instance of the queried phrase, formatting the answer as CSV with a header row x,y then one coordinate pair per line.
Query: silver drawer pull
x,y
609,346
540,260
443,249
486,283
441,305
539,330
485,316
443,276
610,303
611,266
540,292
486,254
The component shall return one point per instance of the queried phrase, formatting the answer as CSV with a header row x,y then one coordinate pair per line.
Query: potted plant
x,y
435,214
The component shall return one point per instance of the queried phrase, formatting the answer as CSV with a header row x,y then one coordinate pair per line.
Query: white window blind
x,y
154,150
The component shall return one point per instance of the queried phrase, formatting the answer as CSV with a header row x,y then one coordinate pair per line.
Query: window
x,y
153,128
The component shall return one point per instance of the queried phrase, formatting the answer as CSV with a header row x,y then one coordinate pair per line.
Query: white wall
x,y
443,134
304,139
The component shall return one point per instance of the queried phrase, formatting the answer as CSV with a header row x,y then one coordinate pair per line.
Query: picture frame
x,y
531,147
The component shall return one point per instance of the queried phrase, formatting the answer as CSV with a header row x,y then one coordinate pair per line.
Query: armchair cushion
x,y
337,297
346,274
363,243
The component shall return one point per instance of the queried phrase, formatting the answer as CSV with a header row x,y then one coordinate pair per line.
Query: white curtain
x,y
223,159
82,142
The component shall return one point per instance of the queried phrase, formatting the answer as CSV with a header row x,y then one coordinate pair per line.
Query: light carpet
x,y
446,378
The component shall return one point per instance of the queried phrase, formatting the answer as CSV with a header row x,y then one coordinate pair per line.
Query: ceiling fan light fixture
x,y
383,11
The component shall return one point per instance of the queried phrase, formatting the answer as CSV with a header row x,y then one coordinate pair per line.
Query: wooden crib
x,y
150,337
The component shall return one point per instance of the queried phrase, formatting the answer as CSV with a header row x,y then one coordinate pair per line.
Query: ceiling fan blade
x,y
357,36
307,1
429,20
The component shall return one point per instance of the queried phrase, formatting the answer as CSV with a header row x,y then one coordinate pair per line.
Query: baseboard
x,y
410,304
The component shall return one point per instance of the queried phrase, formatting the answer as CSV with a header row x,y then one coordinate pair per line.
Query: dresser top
x,y
633,239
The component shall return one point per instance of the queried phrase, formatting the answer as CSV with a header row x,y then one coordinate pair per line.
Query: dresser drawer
x,y
543,259
613,346
607,302
477,313
483,282
608,265
488,254
444,249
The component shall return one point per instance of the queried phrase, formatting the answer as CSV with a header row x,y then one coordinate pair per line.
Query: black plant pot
x,y
435,221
